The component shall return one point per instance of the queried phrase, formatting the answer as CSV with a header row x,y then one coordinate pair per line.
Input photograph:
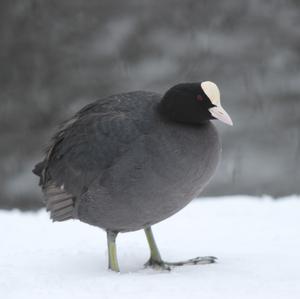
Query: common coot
x,y
128,161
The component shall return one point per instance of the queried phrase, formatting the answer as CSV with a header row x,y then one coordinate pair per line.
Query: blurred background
x,y
57,56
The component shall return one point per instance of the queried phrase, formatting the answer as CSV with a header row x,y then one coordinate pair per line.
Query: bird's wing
x,y
85,146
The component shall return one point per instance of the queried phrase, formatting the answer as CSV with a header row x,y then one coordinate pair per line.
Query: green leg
x,y
112,251
155,255
156,261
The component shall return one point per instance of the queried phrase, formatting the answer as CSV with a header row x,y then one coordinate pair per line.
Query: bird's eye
x,y
199,98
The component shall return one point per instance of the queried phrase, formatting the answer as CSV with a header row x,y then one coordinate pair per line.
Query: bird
x,y
128,161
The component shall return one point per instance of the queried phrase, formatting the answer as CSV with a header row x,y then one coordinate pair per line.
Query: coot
x,y
128,161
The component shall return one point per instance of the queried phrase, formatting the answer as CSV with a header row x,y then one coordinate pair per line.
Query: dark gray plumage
x,y
122,164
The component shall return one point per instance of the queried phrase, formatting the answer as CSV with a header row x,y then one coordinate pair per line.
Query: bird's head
x,y
194,103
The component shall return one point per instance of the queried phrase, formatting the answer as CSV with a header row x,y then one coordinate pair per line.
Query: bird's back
x,y
90,143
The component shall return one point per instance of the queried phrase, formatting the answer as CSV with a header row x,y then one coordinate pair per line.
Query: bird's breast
x,y
157,177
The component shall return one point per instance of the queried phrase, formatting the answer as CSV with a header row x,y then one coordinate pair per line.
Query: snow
x,y
257,241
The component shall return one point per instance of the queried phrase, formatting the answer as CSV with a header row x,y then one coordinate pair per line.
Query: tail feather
x,y
59,202
38,168
59,205
39,171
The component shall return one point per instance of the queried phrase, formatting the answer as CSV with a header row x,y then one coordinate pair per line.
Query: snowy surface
x,y
257,242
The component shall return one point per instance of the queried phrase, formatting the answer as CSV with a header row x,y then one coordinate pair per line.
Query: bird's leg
x,y
112,251
156,261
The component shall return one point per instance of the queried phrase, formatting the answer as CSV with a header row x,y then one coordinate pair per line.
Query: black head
x,y
193,103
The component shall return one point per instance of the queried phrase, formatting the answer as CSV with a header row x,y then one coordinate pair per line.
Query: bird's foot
x,y
200,260
161,265
157,265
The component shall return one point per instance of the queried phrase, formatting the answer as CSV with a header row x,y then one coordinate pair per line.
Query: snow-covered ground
x,y
257,242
